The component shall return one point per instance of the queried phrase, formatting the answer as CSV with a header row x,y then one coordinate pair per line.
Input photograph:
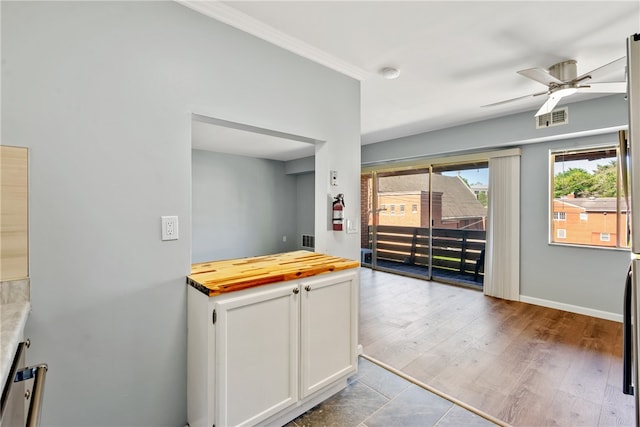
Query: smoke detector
x,y
390,73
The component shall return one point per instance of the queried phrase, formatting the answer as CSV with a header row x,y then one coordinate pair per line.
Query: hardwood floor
x,y
523,364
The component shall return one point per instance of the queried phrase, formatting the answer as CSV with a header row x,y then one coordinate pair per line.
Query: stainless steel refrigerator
x,y
630,157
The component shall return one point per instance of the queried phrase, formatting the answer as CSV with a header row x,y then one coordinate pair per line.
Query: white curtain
x,y
502,254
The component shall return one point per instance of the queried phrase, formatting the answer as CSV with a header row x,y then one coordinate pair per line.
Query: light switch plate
x,y
352,227
169,227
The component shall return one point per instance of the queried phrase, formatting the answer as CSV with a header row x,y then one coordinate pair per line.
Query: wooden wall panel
x,y
14,213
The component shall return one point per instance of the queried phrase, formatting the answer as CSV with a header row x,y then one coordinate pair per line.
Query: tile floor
x,y
376,397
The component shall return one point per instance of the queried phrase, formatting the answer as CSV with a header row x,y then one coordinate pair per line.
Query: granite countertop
x,y
217,277
14,310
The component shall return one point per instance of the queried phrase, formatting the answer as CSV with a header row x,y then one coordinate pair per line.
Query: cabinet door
x,y
257,354
329,329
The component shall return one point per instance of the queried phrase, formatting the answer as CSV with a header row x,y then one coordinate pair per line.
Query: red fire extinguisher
x,y
338,212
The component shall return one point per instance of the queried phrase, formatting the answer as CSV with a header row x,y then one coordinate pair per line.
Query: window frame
x,y
561,216
582,152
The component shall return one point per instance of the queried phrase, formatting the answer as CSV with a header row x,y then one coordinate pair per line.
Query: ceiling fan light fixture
x,y
562,80
390,73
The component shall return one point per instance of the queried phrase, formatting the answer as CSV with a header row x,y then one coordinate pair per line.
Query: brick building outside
x,y
586,221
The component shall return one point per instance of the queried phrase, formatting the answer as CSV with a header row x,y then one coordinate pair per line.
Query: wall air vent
x,y
308,241
554,118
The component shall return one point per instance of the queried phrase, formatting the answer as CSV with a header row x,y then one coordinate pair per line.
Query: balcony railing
x,y
455,250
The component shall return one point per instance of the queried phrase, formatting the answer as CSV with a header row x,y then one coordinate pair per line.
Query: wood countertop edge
x,y
250,282
283,259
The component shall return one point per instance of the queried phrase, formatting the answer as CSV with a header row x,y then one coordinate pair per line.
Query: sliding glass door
x,y
427,222
403,214
459,224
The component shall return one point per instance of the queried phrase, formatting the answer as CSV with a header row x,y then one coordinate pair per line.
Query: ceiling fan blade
x,y
548,106
612,66
539,75
514,99
613,87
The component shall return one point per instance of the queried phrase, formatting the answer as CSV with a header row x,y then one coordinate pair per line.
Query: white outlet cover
x,y
352,227
169,227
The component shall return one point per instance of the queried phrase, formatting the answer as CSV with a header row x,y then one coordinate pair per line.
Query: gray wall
x,y
102,94
241,206
508,131
585,278
297,166
305,206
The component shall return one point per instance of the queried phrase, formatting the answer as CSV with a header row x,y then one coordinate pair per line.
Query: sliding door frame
x,y
372,171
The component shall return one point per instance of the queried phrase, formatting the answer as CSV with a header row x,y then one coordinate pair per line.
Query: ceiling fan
x,y
562,80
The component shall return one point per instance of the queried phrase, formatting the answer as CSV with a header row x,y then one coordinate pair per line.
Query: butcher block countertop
x,y
217,277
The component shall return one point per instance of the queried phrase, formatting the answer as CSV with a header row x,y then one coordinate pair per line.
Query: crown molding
x,y
228,15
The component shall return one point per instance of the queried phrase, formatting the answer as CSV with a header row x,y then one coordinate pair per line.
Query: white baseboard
x,y
572,308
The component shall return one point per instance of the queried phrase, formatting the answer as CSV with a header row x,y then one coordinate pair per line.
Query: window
x,y
401,209
393,209
414,208
586,208
560,216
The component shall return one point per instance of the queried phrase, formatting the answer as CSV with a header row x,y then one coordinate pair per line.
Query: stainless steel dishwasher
x,y
22,395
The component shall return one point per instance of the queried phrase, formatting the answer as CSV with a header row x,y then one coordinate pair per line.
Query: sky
x,y
588,165
473,176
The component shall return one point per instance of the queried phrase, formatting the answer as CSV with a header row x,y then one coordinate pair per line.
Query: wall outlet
x,y
169,227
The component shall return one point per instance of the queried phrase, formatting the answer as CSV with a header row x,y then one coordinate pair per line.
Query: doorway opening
x,y
252,190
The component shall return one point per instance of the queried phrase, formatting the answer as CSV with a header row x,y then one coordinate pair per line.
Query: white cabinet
x,y
257,352
269,353
328,330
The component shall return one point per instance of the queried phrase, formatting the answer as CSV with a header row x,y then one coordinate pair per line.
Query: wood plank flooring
x,y
523,364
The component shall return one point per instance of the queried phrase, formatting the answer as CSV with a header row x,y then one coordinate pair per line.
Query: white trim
x,y
572,308
228,15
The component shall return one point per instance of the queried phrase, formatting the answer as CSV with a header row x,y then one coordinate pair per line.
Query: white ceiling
x,y
454,56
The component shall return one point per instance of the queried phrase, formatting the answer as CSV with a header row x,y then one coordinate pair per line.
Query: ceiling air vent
x,y
554,118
